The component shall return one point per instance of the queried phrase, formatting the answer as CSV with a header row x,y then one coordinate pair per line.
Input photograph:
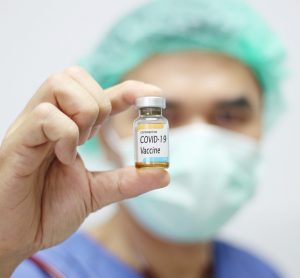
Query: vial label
x,y
152,143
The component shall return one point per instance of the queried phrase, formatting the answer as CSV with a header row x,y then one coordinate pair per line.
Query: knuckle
x,y
105,108
74,70
71,130
129,85
43,110
88,114
55,80
91,111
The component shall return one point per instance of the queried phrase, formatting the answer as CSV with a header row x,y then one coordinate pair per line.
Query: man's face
x,y
200,87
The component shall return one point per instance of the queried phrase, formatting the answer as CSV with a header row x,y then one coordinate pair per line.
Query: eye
x,y
231,117
175,118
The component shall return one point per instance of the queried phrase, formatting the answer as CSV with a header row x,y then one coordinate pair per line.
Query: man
x,y
220,85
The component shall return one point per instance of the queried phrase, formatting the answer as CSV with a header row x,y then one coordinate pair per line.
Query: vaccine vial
x,y
151,130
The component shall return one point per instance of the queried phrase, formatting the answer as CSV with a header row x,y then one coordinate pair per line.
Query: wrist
x,y
8,264
7,268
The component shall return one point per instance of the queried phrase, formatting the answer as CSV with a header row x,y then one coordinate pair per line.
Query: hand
x,y
45,190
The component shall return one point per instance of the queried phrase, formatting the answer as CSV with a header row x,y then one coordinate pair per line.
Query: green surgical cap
x,y
226,26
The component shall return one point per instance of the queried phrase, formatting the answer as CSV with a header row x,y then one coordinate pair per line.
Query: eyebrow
x,y
173,104
239,102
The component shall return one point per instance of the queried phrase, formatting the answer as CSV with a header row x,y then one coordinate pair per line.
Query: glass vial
x,y
151,130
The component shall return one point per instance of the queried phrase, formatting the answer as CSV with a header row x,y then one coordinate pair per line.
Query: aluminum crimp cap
x,y
150,102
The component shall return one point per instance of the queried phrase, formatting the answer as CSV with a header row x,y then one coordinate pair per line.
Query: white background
x,y
41,37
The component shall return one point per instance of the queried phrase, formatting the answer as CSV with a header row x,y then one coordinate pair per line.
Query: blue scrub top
x,y
80,256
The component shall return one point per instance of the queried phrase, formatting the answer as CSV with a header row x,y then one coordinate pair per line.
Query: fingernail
x,y
85,136
94,131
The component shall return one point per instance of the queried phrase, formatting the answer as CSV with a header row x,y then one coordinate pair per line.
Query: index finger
x,y
124,95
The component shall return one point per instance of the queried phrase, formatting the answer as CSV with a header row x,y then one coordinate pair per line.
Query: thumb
x,y
113,186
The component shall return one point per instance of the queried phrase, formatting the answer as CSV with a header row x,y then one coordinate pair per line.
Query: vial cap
x,y
150,102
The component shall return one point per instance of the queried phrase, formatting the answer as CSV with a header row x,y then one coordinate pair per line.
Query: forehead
x,y
194,76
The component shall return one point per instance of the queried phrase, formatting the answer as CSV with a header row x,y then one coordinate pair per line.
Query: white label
x,y
152,144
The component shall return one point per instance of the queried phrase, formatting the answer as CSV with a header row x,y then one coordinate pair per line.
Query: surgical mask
x,y
213,173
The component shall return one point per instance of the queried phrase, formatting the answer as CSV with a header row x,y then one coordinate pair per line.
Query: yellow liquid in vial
x,y
159,165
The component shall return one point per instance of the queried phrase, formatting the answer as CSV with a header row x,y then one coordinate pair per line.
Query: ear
x,y
104,136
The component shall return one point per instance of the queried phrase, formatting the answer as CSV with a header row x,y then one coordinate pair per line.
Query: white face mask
x,y
213,173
